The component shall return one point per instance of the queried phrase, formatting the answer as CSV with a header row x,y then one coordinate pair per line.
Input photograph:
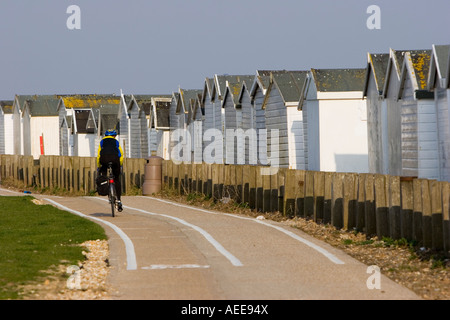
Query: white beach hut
x,y
284,122
335,117
6,127
438,82
419,138
378,147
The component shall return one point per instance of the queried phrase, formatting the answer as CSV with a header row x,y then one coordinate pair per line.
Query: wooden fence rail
x,y
378,205
74,174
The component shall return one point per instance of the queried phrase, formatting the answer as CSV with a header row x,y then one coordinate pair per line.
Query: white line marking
x,y
181,266
129,247
321,250
234,261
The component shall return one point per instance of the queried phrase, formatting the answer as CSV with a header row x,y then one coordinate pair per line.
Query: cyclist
x,y
109,150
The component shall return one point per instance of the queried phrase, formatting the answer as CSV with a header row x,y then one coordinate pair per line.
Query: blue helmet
x,y
110,133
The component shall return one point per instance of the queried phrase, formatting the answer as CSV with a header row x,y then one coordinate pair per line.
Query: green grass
x,y
35,238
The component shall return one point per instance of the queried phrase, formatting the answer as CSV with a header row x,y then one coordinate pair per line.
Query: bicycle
x,y
112,197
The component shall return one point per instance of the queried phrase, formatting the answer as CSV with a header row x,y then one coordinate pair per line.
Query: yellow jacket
x,y
100,149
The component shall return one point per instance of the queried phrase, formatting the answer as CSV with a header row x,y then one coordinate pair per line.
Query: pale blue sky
x,y
153,47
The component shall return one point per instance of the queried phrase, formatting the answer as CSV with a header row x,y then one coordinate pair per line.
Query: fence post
x,y
252,186
361,202
337,200
381,206
445,216
369,206
309,195
319,196
436,216
394,207
239,184
266,193
274,190
417,210
426,214
289,193
300,193
259,197
327,203
407,206
246,184
215,181
281,178
350,199
208,177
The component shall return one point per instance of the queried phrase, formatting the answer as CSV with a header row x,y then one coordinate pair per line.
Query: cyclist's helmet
x,y
111,133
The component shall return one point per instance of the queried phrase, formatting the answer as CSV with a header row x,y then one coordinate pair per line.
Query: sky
x,y
157,46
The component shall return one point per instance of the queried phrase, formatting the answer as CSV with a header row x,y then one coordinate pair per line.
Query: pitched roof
x,y
234,86
220,83
290,84
421,63
199,109
144,101
208,89
7,106
161,112
395,61
185,96
377,66
262,81
417,65
81,117
108,117
339,80
439,66
89,100
41,106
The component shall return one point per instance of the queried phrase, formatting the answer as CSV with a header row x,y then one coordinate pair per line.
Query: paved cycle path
x,y
164,250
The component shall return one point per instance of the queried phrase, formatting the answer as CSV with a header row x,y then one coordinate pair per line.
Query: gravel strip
x,y
87,281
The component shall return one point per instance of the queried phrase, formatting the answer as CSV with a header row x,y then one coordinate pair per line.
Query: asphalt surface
x,y
168,251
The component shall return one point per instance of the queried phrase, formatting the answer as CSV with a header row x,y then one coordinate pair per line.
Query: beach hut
x,y
78,130
390,93
124,136
232,111
284,122
419,138
40,126
213,119
6,127
83,131
159,126
376,112
335,118
18,106
438,82
250,131
137,125
180,137
257,93
196,124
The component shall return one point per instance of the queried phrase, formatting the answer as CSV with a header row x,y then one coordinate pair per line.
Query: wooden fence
x,y
378,205
74,174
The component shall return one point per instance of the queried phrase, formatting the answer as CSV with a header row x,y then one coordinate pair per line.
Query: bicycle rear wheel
x,y
112,198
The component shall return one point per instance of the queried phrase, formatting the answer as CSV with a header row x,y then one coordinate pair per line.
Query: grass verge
x,y
36,238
